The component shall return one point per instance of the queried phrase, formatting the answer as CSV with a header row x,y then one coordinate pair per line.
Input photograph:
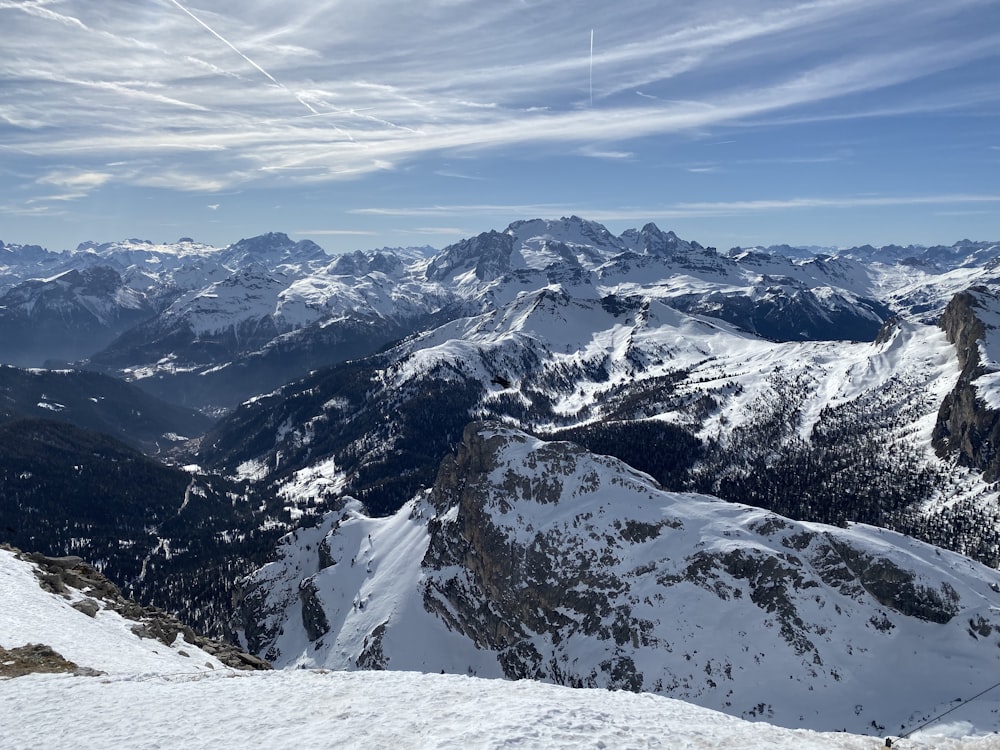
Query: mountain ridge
x,y
538,560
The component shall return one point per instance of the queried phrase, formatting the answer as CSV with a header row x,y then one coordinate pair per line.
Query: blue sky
x,y
367,123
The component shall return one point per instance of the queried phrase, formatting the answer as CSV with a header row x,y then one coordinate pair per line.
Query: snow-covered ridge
x,y
205,309
534,559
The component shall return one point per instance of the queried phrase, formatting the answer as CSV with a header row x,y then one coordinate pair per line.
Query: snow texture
x,y
318,708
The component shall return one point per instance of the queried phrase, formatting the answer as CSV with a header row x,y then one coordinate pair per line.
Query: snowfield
x,y
322,709
104,642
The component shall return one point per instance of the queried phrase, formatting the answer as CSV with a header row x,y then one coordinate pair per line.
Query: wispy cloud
x,y
963,213
334,232
447,231
604,153
242,54
730,208
686,209
458,175
80,180
519,209
252,94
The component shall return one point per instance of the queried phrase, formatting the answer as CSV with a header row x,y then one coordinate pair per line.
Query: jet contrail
x,y
233,47
591,67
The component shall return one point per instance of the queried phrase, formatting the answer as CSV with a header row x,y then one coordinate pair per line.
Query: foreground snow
x,y
157,697
105,642
303,709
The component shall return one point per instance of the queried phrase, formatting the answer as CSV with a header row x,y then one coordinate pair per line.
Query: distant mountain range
x,y
740,412
210,327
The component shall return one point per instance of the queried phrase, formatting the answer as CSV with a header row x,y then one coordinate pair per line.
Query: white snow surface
x,y
323,709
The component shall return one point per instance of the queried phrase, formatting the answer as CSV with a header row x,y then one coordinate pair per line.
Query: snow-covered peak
x,y
273,248
650,240
567,231
939,258
484,257
360,263
537,559
21,253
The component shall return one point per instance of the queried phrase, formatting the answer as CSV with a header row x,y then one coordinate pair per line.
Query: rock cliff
x,y
966,424
533,559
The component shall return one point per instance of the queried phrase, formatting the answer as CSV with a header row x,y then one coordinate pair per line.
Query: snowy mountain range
x,y
211,327
691,472
84,666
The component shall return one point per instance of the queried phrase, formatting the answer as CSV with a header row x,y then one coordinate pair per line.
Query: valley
x,y
548,452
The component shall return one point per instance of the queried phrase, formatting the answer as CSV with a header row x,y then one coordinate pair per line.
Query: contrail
x,y
233,47
591,68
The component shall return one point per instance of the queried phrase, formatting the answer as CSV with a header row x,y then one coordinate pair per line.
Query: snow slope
x,y
104,642
321,709
152,696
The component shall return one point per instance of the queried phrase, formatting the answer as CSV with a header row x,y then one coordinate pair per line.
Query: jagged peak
x,y
488,254
651,240
273,246
361,262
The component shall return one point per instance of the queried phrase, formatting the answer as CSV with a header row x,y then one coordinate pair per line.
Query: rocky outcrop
x,y
894,587
63,575
526,588
34,658
965,425
313,617
488,254
508,589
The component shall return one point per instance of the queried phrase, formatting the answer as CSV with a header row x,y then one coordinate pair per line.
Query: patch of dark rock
x,y
37,658
894,587
88,606
372,656
313,615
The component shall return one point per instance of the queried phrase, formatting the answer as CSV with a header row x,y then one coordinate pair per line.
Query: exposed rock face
x,y
487,253
34,658
507,588
59,574
503,582
965,424
529,559
313,617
